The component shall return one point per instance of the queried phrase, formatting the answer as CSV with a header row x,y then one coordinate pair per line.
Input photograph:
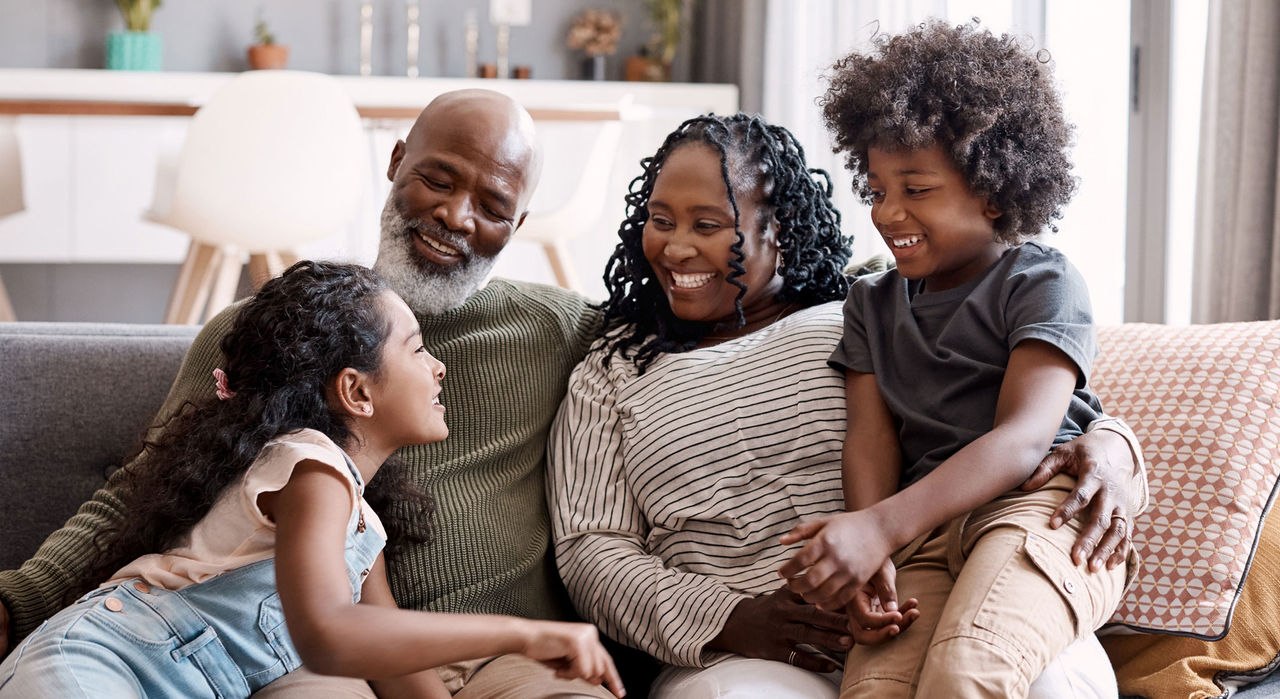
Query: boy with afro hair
x,y
964,366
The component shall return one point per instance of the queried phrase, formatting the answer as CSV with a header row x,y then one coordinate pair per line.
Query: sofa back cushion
x,y
76,398
1202,400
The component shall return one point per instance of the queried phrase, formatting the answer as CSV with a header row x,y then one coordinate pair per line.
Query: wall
x,y
323,35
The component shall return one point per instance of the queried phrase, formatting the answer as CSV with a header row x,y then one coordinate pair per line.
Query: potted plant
x,y
136,48
265,53
654,61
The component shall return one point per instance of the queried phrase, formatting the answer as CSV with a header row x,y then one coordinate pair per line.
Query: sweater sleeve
x,y
600,532
37,589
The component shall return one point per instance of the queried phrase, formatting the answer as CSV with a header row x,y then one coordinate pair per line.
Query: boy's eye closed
x,y
916,191
877,196
661,223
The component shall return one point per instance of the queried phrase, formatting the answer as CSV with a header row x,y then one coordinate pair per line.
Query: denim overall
x,y
224,637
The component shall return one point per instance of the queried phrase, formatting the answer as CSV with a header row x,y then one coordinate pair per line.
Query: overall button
x,y
142,587
113,604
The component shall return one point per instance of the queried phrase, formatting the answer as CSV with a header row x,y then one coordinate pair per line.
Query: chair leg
x,y
561,266
225,283
192,288
268,265
6,307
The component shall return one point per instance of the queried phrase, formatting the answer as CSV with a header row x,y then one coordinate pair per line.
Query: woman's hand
x,y
875,615
1103,466
573,651
843,552
772,625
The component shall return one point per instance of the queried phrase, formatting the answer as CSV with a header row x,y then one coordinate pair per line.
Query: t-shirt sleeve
x,y
852,352
274,467
1049,301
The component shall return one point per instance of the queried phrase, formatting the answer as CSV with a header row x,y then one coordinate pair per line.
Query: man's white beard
x,y
428,288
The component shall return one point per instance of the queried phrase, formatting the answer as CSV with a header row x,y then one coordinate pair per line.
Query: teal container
x,y
134,51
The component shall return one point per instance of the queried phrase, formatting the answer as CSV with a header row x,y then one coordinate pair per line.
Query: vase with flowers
x,y
595,33
136,48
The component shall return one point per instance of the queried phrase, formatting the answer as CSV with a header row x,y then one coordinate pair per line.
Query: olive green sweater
x,y
508,352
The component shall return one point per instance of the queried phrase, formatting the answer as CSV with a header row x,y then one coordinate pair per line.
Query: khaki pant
x,y
999,600
505,677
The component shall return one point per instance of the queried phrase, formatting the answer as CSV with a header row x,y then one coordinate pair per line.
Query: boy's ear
x,y
351,393
992,211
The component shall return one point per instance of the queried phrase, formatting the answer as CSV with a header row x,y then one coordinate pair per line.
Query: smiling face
x,y
936,228
688,236
461,183
406,387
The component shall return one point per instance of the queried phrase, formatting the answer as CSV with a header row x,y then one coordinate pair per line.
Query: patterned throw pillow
x,y
1202,401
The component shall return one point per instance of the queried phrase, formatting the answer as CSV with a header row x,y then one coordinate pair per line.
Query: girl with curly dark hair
x,y
964,367
257,551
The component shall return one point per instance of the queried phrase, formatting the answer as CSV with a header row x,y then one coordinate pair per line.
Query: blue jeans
x,y
224,637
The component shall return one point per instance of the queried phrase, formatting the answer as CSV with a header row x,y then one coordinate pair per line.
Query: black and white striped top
x,y
669,491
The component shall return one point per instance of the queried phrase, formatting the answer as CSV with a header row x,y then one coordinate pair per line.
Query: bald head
x,y
496,125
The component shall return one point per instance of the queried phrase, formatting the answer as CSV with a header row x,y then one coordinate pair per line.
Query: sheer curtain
x,y
802,38
1237,254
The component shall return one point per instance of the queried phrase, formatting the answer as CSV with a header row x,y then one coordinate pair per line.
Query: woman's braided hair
x,y
987,100
286,345
812,249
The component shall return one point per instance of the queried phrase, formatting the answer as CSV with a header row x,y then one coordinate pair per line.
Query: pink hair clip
x,y
220,385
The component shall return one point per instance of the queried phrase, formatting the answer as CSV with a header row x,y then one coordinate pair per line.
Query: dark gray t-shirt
x,y
939,357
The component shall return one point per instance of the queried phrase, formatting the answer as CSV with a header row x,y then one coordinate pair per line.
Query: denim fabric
x,y
224,637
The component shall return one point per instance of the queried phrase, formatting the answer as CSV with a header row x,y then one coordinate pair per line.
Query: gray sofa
x,y
74,400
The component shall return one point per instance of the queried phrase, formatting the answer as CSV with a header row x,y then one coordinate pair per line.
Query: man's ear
x,y
397,155
351,393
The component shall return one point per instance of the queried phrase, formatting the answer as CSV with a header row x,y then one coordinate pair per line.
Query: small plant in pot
x,y
136,48
265,53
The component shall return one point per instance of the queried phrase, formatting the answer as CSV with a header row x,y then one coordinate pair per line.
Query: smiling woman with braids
x,y
705,423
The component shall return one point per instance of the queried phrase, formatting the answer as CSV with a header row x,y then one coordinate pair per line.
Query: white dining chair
x,y
10,192
555,229
274,159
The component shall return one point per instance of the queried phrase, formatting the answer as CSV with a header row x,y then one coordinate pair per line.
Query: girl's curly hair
x,y
812,249
986,100
286,345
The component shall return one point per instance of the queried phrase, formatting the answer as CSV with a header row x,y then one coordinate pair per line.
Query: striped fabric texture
x,y
670,490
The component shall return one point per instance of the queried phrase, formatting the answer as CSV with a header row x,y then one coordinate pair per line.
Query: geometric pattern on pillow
x,y
1202,400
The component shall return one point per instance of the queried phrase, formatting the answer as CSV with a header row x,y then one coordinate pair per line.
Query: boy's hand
x,y
843,553
874,613
574,651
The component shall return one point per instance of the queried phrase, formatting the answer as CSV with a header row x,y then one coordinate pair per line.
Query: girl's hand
x,y
843,553
573,651
875,615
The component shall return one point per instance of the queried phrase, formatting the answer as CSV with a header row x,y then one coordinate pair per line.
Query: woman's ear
x,y
992,211
351,393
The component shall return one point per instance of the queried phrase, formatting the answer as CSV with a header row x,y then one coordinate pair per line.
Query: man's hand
x,y
1103,465
4,631
772,625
